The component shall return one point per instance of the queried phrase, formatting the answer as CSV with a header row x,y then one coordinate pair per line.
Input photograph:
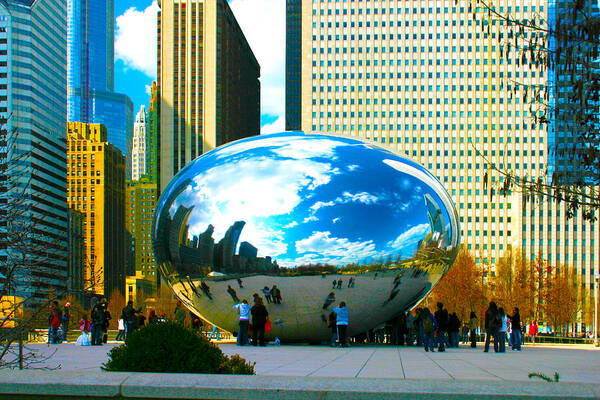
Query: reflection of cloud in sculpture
x,y
410,237
242,196
335,250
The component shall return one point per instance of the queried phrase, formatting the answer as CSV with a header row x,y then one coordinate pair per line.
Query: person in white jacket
x,y
244,309
121,334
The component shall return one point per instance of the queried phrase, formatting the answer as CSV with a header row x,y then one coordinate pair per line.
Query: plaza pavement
x,y
574,363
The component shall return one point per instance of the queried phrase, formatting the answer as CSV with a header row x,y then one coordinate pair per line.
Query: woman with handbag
x,y
259,319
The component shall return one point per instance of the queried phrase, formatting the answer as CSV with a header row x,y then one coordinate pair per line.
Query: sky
x,y
262,21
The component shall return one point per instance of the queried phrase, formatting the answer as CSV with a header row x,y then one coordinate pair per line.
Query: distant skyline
x,y
263,23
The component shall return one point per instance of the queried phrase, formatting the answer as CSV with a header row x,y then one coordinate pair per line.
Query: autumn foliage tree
x,y
559,295
461,290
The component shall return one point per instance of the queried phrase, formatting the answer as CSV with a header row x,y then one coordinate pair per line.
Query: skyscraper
x,y
90,66
152,138
428,80
208,82
96,177
140,144
140,202
33,82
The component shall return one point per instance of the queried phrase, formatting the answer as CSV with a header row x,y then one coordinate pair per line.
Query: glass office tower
x,y
90,65
33,80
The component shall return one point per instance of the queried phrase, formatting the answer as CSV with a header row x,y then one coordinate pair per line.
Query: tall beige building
x,y
208,82
428,80
96,188
139,146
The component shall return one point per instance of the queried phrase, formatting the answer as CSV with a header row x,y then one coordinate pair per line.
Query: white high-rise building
x,y
138,150
428,80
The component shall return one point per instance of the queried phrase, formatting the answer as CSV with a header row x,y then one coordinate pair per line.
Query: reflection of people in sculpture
x,y
342,322
276,295
334,284
267,292
339,284
397,280
244,309
233,294
332,324
329,300
256,298
351,282
259,318
205,289
239,281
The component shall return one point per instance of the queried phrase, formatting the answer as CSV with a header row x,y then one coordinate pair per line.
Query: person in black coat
x,y
259,318
515,334
441,316
491,326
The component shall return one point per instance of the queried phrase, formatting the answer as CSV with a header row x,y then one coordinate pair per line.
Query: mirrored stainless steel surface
x,y
324,219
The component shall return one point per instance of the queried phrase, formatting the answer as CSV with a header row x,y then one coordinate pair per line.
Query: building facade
x,y
431,82
140,144
140,203
208,82
75,283
152,137
90,70
33,82
96,188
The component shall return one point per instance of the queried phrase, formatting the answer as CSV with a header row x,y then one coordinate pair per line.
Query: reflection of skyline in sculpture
x,y
439,233
199,255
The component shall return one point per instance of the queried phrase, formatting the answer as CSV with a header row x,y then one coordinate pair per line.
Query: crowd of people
x,y
94,330
436,330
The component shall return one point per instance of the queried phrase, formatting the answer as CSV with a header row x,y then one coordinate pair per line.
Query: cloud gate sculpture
x,y
321,218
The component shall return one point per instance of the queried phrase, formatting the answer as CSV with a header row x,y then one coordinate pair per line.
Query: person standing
x,y
473,325
97,324
66,316
533,331
491,326
502,331
342,323
441,316
106,317
130,318
54,321
259,318
515,334
430,325
215,331
244,310
121,334
454,329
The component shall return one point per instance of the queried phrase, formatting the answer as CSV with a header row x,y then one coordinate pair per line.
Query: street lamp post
x,y
596,281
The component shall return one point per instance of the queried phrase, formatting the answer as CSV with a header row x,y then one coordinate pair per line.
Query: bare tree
x,y
564,44
26,256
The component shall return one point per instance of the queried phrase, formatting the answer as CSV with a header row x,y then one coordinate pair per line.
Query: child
x,y
84,326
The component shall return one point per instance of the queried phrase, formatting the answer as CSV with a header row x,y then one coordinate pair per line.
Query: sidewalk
x,y
574,363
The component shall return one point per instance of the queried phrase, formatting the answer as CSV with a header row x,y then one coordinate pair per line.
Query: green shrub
x,y
170,347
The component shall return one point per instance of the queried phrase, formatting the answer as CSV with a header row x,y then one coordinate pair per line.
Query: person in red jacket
x,y
533,331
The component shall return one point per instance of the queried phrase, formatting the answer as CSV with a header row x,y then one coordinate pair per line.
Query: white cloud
x,y
263,24
332,249
410,237
274,127
148,89
290,225
312,218
336,220
135,39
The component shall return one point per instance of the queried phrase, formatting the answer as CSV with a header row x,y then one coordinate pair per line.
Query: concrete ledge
x,y
55,385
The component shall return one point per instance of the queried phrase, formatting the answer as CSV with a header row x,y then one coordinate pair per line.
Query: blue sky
x,y
263,23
